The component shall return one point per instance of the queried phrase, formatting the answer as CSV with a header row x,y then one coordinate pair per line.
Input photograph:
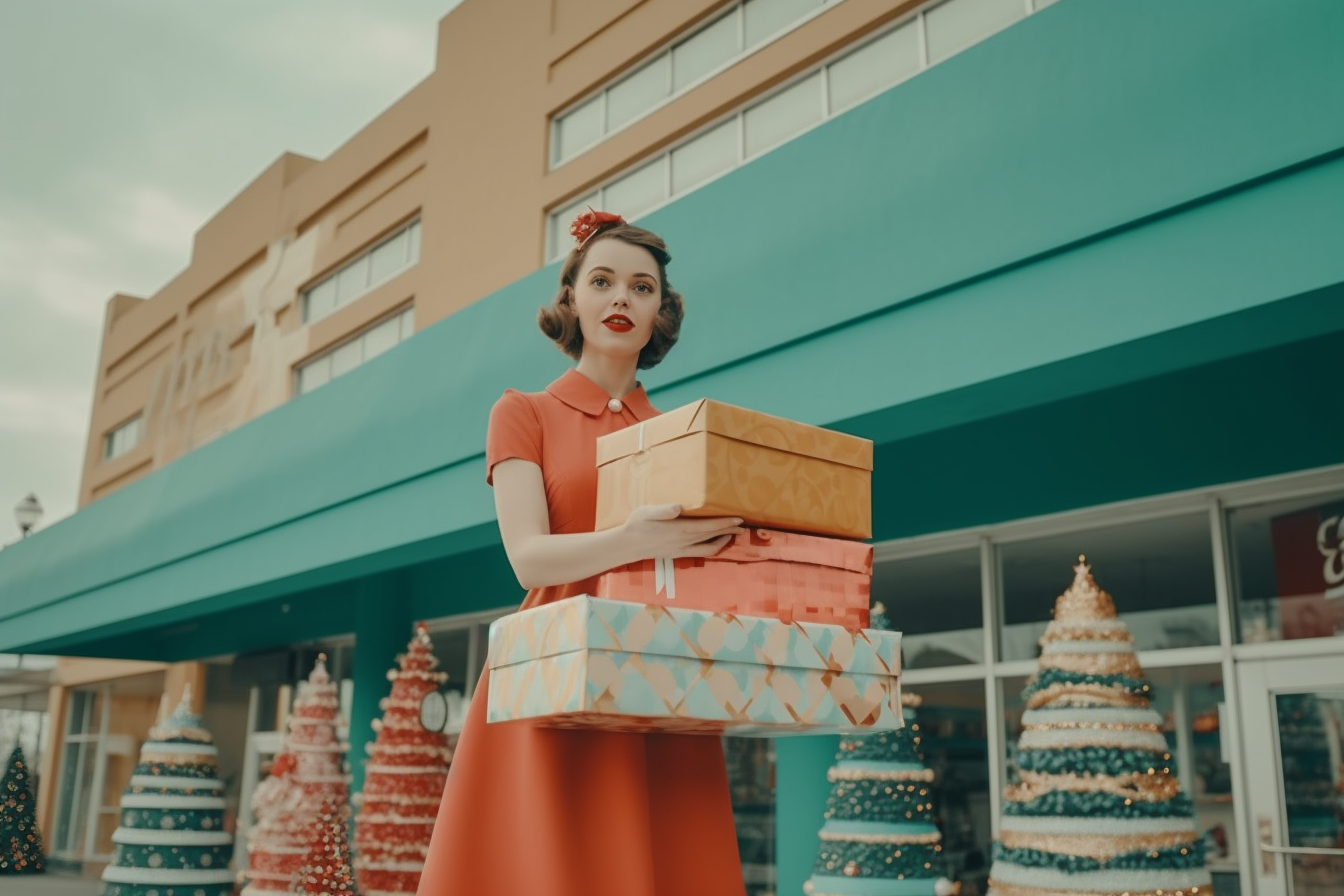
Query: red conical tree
x,y
308,773
404,779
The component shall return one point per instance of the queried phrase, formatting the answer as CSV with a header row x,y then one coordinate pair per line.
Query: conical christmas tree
x,y
309,771
1098,809
403,782
879,838
20,841
326,866
172,841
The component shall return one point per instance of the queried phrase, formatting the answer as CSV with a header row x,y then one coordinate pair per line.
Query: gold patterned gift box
x,y
586,662
715,459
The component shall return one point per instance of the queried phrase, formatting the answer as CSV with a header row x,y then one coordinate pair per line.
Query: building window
x,y
1288,568
363,273
364,346
677,68
124,437
930,35
80,759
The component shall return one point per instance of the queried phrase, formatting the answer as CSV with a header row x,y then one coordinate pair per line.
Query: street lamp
x,y
27,513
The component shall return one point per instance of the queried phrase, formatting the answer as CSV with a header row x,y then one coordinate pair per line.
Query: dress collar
x,y
582,394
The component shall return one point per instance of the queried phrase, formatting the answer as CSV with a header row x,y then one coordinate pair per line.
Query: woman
x,y
531,811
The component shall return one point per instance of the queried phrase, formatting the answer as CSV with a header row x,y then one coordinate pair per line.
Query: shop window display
x,y
937,602
1163,568
751,784
1288,568
953,724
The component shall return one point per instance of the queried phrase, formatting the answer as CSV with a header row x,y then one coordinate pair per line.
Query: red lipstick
x,y
618,323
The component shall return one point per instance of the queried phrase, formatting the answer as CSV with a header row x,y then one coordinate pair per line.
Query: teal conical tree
x,y
1098,809
20,841
172,841
879,837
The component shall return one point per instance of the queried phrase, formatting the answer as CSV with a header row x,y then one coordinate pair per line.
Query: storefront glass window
x,y
1288,569
935,602
751,784
953,731
1159,571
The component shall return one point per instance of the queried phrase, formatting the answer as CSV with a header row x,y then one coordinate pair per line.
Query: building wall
x,y
466,151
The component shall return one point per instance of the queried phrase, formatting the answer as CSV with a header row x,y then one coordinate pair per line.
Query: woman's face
x,y
616,297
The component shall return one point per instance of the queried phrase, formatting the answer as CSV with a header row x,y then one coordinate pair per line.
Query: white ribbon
x,y
664,572
664,577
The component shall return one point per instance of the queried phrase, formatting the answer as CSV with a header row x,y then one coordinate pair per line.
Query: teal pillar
x,y
801,790
382,630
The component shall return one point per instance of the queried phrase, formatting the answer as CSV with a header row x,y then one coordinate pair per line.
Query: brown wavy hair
x,y
561,324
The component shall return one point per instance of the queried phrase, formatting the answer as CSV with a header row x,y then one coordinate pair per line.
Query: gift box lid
x,y
591,623
741,424
759,545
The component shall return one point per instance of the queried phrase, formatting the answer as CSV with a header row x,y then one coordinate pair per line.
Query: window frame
x,y
554,246
332,276
557,158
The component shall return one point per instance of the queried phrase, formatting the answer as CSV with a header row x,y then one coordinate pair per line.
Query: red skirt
x,y
532,811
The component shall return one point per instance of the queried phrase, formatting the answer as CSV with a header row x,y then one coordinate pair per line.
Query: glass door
x,y
1293,714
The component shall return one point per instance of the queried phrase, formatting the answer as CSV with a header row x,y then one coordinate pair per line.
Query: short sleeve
x,y
514,432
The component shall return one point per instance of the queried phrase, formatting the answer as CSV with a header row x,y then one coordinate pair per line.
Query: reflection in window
x,y
1288,568
952,719
935,602
751,784
1160,573
1311,727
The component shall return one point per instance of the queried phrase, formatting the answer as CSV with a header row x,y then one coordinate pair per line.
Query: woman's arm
x,y
540,558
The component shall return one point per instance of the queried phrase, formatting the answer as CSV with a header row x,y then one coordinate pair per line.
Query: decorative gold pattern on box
x,y
587,662
715,459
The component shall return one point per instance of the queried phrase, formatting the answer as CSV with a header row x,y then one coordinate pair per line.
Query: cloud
x,y
158,220
52,268
55,411
363,48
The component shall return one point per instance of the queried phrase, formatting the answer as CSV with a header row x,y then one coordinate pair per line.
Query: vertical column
x,y
382,630
801,790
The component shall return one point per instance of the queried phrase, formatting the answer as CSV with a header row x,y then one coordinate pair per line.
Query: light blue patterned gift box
x,y
587,662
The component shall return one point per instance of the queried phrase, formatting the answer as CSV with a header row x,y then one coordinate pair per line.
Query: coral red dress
x,y
531,811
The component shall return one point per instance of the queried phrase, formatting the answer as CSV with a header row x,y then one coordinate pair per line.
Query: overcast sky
x,y
124,126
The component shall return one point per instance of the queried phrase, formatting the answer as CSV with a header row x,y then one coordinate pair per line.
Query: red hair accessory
x,y
590,222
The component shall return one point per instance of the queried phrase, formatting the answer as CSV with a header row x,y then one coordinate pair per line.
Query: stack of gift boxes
x,y
769,636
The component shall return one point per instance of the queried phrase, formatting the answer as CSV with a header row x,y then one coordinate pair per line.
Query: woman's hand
x,y
659,530
540,558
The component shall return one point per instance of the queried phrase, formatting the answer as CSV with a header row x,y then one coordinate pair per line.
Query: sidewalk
x,y
50,883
